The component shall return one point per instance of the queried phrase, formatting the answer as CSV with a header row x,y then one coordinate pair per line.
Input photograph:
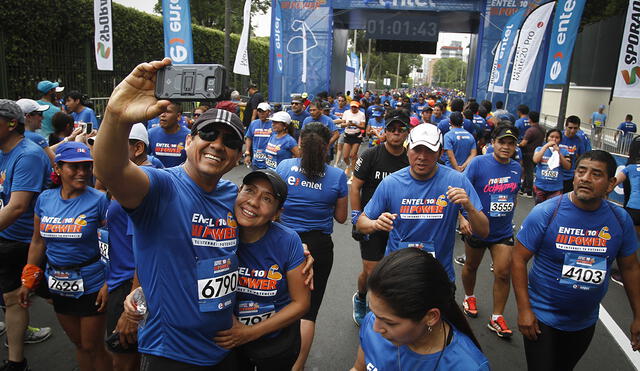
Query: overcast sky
x,y
262,23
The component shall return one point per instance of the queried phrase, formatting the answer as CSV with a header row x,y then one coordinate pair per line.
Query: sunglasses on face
x,y
229,140
196,114
397,128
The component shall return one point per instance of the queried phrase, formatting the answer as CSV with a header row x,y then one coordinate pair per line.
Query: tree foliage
x,y
210,13
449,73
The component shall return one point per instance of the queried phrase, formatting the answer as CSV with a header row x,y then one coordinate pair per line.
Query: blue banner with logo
x,y
300,48
504,52
176,17
426,5
563,38
495,17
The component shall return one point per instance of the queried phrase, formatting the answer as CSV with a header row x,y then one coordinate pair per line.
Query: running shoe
x,y
615,277
470,308
500,327
3,328
460,259
34,335
6,366
359,309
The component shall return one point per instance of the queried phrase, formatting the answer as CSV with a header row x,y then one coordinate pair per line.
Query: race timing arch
x,y
308,48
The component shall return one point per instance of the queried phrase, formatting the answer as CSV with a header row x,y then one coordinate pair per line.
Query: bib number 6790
x,y
217,287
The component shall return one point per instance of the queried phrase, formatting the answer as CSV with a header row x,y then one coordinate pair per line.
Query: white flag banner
x,y
628,73
529,41
103,34
241,64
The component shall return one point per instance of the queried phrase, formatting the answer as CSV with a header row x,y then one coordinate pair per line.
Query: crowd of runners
x,y
152,261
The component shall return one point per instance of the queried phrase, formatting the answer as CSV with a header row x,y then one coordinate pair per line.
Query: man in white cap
x,y
419,205
48,90
257,137
33,115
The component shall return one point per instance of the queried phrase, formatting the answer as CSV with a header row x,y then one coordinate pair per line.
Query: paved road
x,y
337,336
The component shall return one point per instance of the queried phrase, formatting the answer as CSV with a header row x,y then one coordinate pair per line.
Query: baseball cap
x,y
214,116
73,152
506,131
46,85
602,106
296,99
398,116
30,105
279,186
426,135
139,132
264,106
281,116
354,103
326,105
11,110
304,95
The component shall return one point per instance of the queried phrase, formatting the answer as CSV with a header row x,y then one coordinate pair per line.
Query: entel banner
x,y
103,37
176,18
504,52
628,73
300,48
563,38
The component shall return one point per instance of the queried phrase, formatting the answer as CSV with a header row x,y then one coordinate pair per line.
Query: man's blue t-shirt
x,y
381,354
324,120
47,125
426,219
445,125
436,120
70,231
155,162
632,172
599,119
585,140
86,115
547,179
419,107
262,273
36,138
522,124
497,186
184,239
627,127
310,204
573,252
378,127
516,156
461,142
337,111
121,260
25,168
296,121
278,149
259,132
168,148
482,129
574,147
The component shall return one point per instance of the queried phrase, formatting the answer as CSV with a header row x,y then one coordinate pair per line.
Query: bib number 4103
x,y
217,287
584,275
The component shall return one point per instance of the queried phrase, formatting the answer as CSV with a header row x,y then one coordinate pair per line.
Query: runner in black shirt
x,y
372,166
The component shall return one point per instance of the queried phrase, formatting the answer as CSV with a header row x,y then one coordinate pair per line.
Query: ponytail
x,y
313,142
412,282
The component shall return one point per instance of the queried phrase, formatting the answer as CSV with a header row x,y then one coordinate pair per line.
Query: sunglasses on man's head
x,y
196,114
210,134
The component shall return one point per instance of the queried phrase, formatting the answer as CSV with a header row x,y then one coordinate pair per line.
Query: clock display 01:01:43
x,y
398,27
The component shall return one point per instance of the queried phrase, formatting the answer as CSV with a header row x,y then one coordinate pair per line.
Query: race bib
x,y
65,283
422,245
252,312
271,162
259,155
217,282
583,271
103,243
500,205
549,174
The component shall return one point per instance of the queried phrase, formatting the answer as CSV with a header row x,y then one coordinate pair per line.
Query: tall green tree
x,y
449,73
210,13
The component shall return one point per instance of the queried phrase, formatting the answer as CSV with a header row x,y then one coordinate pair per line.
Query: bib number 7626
x,y
217,287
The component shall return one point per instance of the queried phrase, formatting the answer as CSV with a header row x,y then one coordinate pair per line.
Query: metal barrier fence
x,y
607,139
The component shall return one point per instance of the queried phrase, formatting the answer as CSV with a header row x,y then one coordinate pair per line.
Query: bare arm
x,y
473,154
527,321
36,247
354,193
452,159
537,156
384,223
620,178
295,151
359,365
477,219
630,270
334,137
18,204
340,212
132,101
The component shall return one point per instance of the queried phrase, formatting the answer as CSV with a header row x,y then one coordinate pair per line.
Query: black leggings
x,y
321,248
557,350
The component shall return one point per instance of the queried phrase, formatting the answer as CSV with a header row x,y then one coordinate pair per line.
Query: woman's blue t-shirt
x,y
70,231
278,149
547,179
262,273
633,174
310,204
461,354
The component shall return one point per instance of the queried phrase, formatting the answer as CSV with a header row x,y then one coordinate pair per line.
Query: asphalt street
x,y
336,338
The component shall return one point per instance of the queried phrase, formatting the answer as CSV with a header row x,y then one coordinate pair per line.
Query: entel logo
x,y
178,53
556,67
